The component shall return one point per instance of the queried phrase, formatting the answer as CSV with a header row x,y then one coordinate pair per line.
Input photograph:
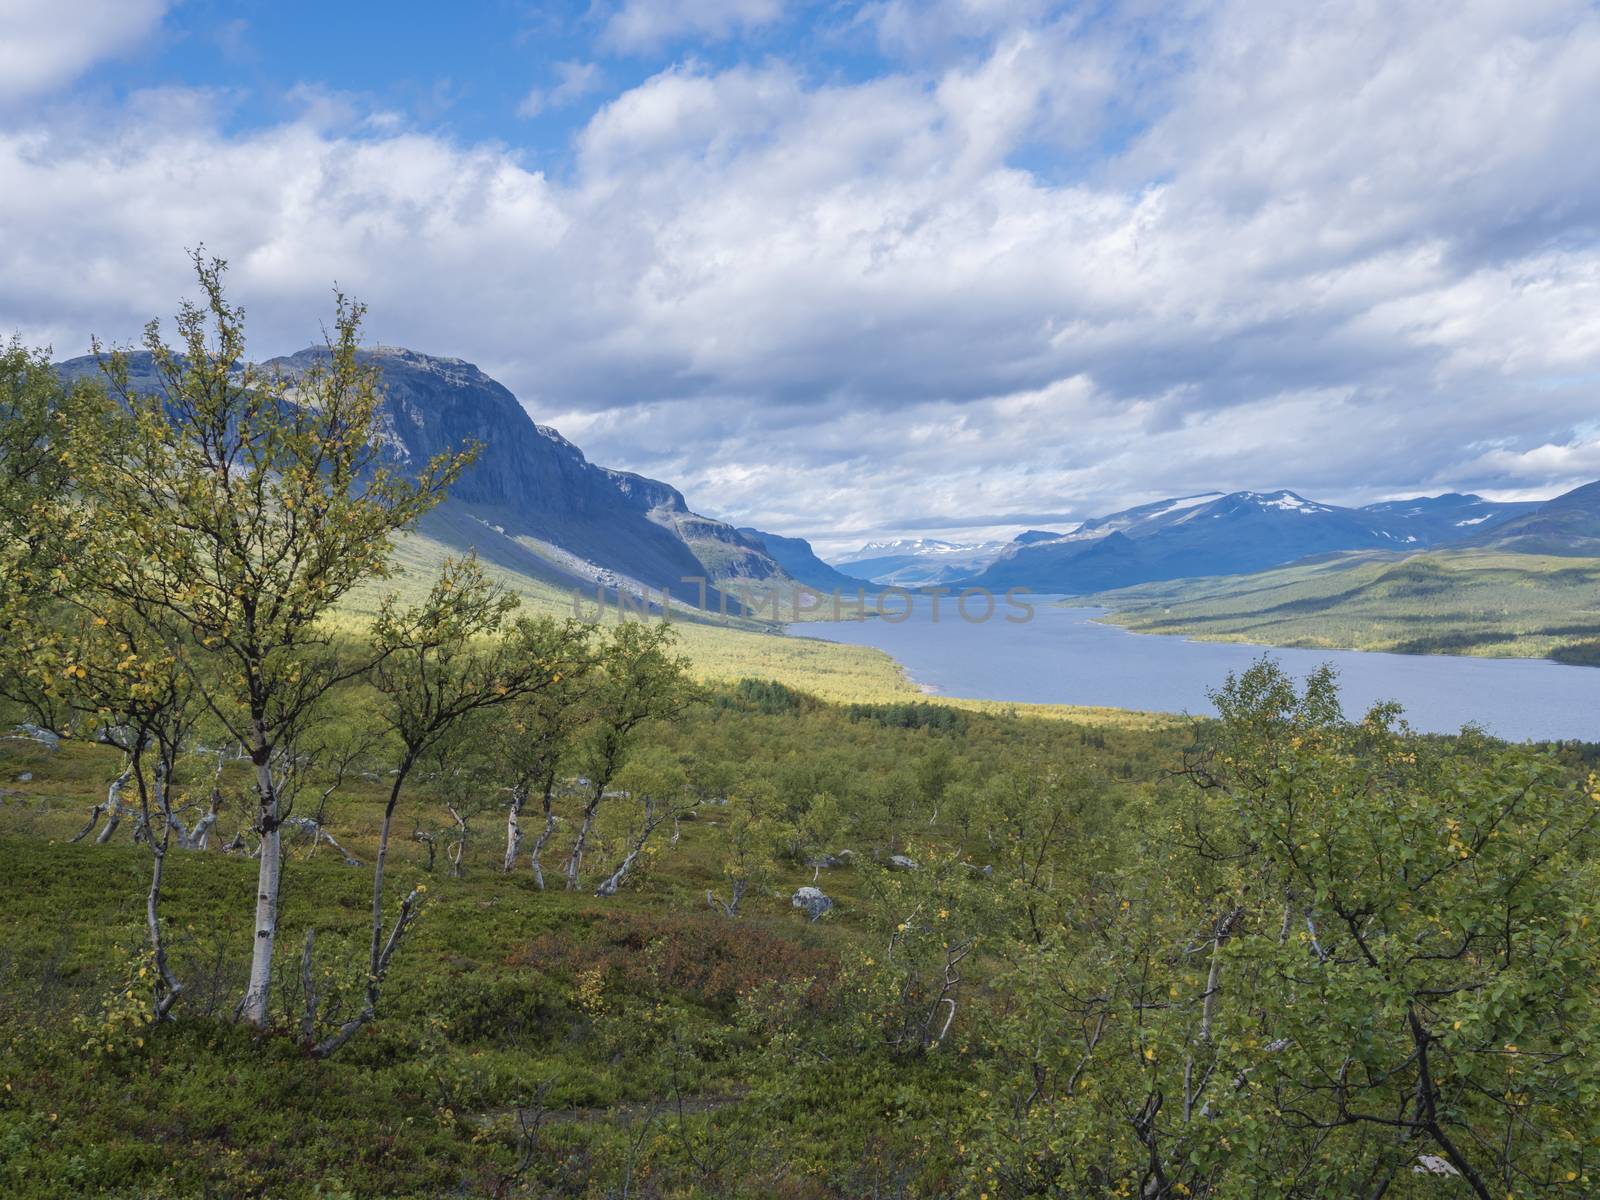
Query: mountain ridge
x,y
531,500
1210,533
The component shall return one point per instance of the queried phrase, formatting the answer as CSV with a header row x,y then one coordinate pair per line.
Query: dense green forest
x,y
459,901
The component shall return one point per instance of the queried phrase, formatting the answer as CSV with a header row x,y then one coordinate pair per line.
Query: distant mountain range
x,y
532,503
1237,533
919,562
1216,533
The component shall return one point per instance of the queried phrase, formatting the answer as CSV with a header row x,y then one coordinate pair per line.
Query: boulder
x,y
899,862
812,901
25,777
49,739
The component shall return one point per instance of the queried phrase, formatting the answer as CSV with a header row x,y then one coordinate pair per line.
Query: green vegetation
x,y
1099,914
802,949
505,998
719,649
1438,602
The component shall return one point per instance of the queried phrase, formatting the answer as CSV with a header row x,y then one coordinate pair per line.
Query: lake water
x,y
1063,656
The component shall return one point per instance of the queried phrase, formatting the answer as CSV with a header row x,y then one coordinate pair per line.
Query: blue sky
x,y
849,270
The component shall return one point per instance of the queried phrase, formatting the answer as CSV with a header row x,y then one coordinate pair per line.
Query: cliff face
x,y
527,481
725,553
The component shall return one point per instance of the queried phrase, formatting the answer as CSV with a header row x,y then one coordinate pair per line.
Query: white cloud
x,y
574,81
1573,462
641,25
1352,253
46,43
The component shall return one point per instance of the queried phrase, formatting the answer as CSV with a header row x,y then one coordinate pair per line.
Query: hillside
x,y
725,554
1567,525
1479,602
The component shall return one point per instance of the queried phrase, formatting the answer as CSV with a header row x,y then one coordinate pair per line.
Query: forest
x,y
459,901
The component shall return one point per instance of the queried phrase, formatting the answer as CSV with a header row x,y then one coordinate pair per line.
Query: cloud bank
x,y
1032,265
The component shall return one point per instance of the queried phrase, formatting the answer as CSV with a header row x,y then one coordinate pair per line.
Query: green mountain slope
x,y
1439,602
719,648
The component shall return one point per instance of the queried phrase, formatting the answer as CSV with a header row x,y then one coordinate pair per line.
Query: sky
x,y
856,270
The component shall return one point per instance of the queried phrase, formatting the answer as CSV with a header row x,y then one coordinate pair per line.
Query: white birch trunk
x,y
545,834
167,985
378,865
113,796
459,850
200,836
575,859
257,997
114,807
519,796
613,881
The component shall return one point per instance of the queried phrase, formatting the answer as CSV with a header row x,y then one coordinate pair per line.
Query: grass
x,y
1438,602
635,1019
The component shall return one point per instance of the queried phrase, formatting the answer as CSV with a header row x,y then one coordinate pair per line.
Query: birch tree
x,y
118,667
533,736
752,836
455,654
657,792
247,509
1339,960
639,679
40,529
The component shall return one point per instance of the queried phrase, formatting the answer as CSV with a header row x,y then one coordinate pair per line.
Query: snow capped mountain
x,y
917,562
1451,517
902,546
1216,534
1286,502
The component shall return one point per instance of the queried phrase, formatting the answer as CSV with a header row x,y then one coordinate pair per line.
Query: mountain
x,y
1146,517
725,554
1452,517
899,547
801,563
918,562
1567,525
1028,536
530,501
1240,532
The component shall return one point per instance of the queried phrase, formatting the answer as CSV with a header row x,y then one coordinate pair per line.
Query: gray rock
x,y
45,737
899,862
1433,1164
25,777
812,901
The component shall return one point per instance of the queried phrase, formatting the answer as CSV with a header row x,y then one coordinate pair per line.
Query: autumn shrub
x,y
714,961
